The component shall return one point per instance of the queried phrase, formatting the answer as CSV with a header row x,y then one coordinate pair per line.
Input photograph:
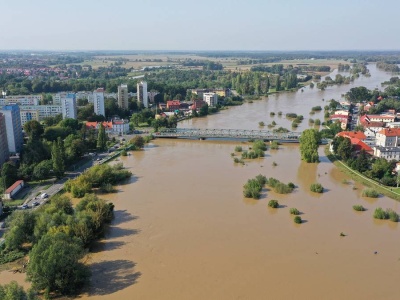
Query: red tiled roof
x,y
11,188
370,124
173,102
360,145
353,134
390,131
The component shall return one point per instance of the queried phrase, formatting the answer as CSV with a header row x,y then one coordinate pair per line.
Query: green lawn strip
x,y
356,176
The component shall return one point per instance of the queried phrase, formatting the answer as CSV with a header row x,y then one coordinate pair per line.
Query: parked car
x,y
35,203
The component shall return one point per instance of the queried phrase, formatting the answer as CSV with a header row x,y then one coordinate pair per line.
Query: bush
x,y
311,121
272,114
9,256
291,185
393,216
294,211
124,153
279,113
273,204
297,219
252,189
273,123
380,214
316,108
294,124
358,207
274,164
316,188
274,145
291,115
371,193
258,144
238,149
317,122
280,187
261,124
261,179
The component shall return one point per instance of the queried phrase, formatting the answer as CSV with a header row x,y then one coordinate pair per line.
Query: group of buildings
x,y
381,134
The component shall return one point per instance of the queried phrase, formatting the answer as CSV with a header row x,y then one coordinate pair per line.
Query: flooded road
x,y
183,229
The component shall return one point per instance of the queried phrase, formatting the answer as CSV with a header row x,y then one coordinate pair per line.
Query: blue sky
x,y
199,25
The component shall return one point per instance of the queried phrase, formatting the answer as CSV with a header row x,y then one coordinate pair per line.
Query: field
x,y
140,61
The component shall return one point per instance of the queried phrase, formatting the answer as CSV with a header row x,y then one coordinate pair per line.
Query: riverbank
x,y
390,192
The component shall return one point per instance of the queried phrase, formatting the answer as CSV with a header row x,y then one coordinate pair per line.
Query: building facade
x,y
98,100
388,137
68,106
28,115
4,153
211,99
22,100
13,128
123,96
44,111
388,153
142,96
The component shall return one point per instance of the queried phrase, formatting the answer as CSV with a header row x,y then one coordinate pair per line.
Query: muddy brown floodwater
x,y
183,229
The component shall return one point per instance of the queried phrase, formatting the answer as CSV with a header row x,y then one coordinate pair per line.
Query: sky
x,y
263,25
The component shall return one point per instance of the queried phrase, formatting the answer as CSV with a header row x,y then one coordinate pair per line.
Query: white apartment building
x,y
98,100
211,99
388,137
21,100
68,104
388,153
44,111
13,127
123,96
24,99
28,115
120,126
142,96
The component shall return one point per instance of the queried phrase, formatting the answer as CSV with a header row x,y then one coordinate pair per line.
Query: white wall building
x,y
211,99
68,104
142,96
21,100
123,96
13,127
388,153
44,110
388,137
98,100
28,115
120,126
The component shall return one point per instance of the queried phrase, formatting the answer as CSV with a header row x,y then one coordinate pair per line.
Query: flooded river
x,y
183,229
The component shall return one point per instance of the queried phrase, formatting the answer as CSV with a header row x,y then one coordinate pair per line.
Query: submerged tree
x,y
309,142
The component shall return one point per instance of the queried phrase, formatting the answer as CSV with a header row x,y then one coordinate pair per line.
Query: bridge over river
x,y
230,134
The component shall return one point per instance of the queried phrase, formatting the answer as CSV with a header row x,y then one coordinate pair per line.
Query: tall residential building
x,y
98,100
4,153
211,99
68,104
123,96
142,96
13,127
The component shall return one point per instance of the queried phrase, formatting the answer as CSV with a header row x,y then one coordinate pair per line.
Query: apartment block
x,y
123,96
142,96
68,105
98,100
4,153
13,127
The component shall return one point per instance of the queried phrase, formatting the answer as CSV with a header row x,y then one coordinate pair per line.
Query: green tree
x,y
13,291
345,149
55,264
101,138
42,170
309,141
203,110
58,160
138,141
9,174
33,129
21,224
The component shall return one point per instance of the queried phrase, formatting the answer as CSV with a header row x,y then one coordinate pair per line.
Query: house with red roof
x,y
173,105
14,189
357,140
388,137
353,134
